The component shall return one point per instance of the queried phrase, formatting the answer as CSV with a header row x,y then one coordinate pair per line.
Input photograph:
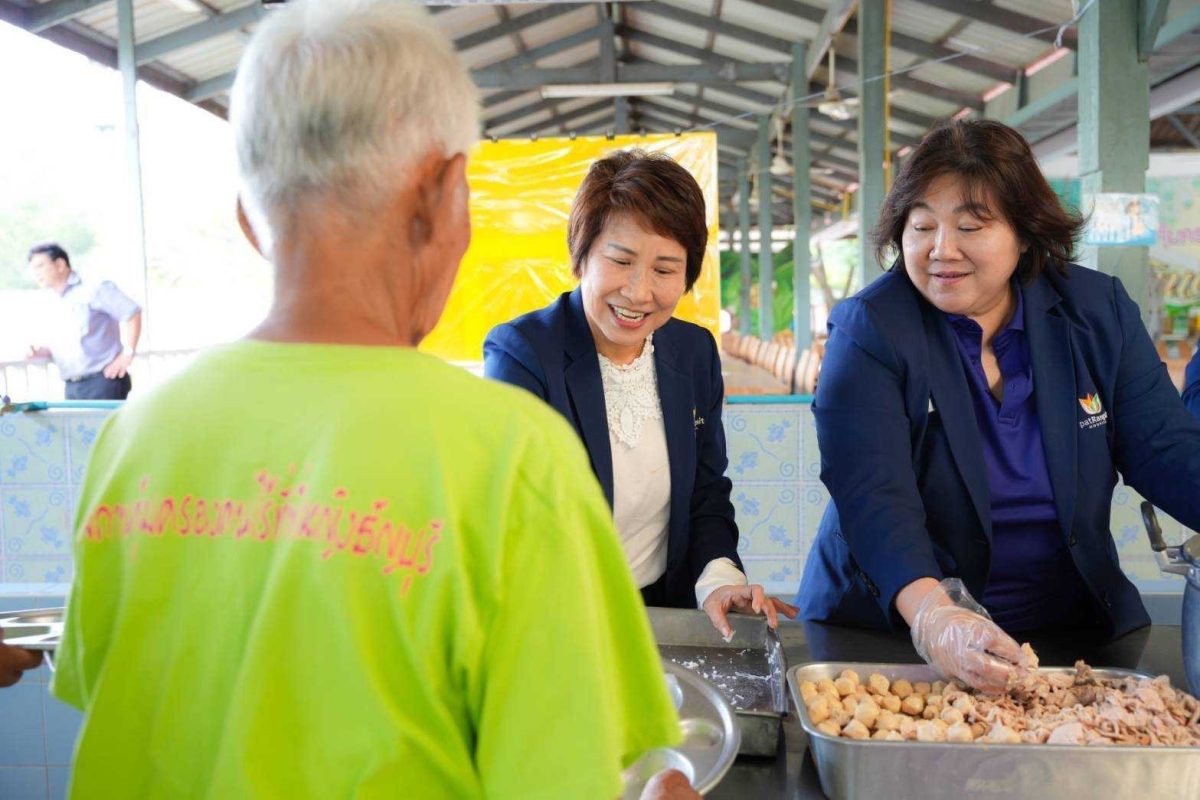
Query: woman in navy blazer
x,y
975,407
642,389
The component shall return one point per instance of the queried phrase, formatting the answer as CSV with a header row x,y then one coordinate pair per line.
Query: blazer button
x,y
1107,599
1074,540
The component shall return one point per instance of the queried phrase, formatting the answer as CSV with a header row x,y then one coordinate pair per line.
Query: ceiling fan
x,y
834,104
779,164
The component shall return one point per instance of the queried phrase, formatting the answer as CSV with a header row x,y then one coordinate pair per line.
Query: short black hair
x,y
51,249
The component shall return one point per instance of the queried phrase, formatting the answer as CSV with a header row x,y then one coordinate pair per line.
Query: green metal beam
x,y
793,7
637,72
1114,129
870,133
801,208
1065,91
1184,131
550,48
1012,21
47,15
210,88
564,117
938,52
766,264
713,25
514,25
744,222
1185,23
918,86
496,98
836,17
1151,14
133,151
194,34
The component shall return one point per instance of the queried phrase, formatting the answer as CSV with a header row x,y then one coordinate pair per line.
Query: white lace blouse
x,y
642,473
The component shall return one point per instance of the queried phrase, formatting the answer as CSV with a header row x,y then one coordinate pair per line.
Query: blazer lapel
x,y
952,398
586,390
1054,386
679,414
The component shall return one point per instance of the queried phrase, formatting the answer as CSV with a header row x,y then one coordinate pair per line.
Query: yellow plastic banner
x,y
521,193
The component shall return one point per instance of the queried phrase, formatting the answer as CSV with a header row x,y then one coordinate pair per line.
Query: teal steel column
x,y
766,267
801,204
127,64
621,116
1114,130
870,132
744,224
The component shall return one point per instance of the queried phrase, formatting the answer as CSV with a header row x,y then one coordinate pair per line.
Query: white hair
x,y
344,96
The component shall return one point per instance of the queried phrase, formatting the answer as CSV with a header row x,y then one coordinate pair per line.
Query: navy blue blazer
x,y
903,460
551,353
1191,384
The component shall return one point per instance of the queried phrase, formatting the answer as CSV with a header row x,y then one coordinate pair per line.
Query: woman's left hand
x,y
749,599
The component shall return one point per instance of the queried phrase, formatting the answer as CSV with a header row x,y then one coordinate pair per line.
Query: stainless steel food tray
x,y
748,669
710,736
851,768
33,629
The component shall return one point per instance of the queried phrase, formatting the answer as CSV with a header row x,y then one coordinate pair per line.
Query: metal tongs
x,y
1176,559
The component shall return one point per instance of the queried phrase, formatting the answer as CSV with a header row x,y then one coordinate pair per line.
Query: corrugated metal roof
x,y
209,58
151,18
1049,10
689,39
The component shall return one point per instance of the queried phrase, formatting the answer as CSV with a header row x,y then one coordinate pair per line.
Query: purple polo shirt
x,y
1032,582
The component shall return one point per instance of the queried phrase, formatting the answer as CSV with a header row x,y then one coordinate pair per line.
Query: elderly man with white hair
x,y
318,563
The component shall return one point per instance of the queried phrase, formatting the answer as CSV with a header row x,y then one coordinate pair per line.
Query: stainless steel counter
x,y
792,775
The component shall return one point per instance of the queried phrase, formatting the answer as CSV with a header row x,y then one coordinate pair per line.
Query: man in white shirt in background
x,y
87,347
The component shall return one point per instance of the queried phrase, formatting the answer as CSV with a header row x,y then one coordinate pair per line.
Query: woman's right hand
x,y
955,635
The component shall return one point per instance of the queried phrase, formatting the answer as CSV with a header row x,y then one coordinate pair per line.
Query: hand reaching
x,y
749,599
957,637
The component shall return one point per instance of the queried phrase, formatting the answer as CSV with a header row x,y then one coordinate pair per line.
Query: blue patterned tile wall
x,y
774,464
42,458
777,491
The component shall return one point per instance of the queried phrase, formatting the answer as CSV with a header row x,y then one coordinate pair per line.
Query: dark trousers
x,y
98,387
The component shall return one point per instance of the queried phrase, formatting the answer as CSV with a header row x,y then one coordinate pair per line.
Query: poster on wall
x,y
521,195
1124,220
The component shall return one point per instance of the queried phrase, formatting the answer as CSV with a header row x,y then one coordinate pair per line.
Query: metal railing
x,y
36,380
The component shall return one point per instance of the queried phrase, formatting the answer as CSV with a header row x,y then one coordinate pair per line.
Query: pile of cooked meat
x,y
1039,707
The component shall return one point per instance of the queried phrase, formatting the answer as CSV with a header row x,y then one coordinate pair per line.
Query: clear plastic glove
x,y
957,637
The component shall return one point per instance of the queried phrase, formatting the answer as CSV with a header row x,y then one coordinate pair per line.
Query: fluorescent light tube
x,y
607,90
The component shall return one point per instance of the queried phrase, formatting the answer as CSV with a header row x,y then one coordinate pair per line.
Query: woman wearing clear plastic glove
x,y
975,407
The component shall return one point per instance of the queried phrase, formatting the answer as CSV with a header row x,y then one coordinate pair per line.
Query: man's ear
x,y
247,228
436,194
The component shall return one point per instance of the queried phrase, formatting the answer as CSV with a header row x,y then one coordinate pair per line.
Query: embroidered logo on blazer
x,y
1096,417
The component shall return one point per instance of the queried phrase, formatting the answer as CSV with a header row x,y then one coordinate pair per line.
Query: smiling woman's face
x,y
632,280
960,258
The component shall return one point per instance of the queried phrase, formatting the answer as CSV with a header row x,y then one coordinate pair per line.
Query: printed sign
x,y
1122,219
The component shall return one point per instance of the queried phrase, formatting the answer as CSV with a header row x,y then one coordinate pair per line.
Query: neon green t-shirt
x,y
308,571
